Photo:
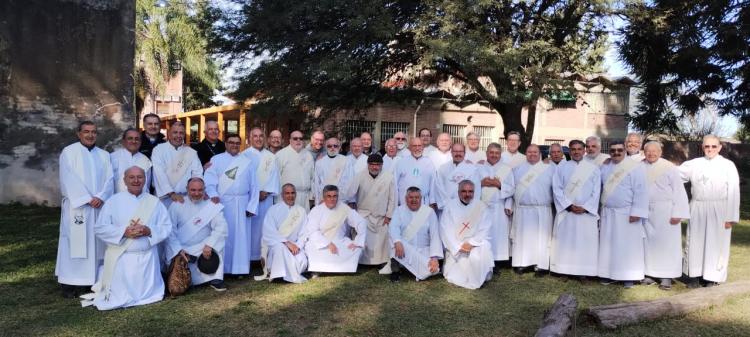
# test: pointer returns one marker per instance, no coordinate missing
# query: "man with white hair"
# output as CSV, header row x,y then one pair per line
x,y
624,205
128,156
512,157
296,167
132,224
284,237
450,174
556,155
464,227
668,205
333,169
173,164
329,224
401,144
211,145
594,151
416,170
415,237
442,153
473,153
531,230
633,144
714,210
199,230
575,236
356,156
316,147
391,157
498,186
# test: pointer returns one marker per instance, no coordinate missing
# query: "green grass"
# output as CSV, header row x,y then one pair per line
x,y
365,304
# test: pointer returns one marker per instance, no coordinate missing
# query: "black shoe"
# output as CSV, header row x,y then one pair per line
x,y
218,285
710,284
583,279
693,283
314,275
68,291
540,273
606,281
395,277
518,270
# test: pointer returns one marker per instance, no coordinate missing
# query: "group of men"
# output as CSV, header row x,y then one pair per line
x,y
412,207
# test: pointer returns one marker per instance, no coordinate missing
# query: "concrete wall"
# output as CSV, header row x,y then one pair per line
x,y
61,62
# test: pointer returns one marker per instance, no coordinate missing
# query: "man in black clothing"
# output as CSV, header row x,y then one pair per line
x,y
151,135
210,145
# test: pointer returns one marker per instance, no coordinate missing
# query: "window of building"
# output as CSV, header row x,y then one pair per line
x,y
485,136
615,103
354,128
388,129
457,132
552,141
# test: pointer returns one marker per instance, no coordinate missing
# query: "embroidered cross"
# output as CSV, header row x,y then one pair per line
x,y
704,179
465,227
197,221
78,220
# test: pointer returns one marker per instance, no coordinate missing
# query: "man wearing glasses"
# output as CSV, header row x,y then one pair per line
x,y
426,136
624,201
714,209
333,169
401,139
296,168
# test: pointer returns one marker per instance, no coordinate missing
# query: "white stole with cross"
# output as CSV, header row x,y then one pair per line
x,y
179,165
264,167
656,169
575,184
418,220
199,220
236,167
620,172
77,236
501,173
336,170
469,224
528,179
335,220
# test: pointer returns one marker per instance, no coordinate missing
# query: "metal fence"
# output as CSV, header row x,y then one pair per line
x,y
388,129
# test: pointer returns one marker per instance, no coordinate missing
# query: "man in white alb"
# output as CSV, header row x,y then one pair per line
x,y
426,136
131,224
199,231
85,184
556,155
668,205
357,157
532,213
624,205
512,157
391,157
231,181
416,170
473,153
498,187
296,167
633,144
128,156
173,164
594,151
442,153
401,144
464,228
333,169
575,237
450,174
415,237
267,177
714,210
329,248
283,239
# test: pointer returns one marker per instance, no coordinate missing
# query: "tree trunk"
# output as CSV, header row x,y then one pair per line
x,y
511,114
560,318
615,315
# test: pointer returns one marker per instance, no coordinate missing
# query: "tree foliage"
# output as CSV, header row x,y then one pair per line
x,y
337,54
172,37
687,55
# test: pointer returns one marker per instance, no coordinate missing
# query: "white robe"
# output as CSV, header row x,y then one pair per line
x,y
214,235
136,279
575,237
271,186
423,246
637,157
439,158
468,270
417,172
449,175
122,160
375,209
389,164
405,152
475,156
499,234
512,159
345,175
621,242
359,164
240,197
280,262
161,159
77,191
715,192
319,257
667,199
533,218
598,160
296,168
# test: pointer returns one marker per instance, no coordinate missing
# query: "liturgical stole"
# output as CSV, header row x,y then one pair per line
x,y
501,173
179,165
229,176
620,172
418,220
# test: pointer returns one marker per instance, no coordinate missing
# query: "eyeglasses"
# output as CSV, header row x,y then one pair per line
x,y
232,143
333,146
400,138
710,146
297,138
616,150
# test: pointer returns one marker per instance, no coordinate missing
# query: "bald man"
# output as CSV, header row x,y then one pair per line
x,y
275,141
211,145
442,153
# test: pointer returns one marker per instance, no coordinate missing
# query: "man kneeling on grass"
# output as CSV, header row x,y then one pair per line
x,y
415,234
199,234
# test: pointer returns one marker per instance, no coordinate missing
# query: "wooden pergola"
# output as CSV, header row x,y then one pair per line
x,y
221,114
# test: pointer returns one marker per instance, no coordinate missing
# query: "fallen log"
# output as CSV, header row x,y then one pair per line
x,y
560,317
615,315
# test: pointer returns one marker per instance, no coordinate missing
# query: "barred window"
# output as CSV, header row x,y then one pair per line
x,y
354,128
485,136
552,141
615,103
388,129
457,132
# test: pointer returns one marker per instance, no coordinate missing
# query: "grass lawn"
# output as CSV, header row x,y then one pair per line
x,y
365,304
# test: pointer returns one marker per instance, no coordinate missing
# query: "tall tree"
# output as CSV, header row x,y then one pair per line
x,y
170,36
337,54
687,55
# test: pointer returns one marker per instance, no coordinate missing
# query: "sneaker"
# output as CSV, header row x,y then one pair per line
x,y
218,285
628,284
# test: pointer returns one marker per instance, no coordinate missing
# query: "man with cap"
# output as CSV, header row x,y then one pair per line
x,y
374,197
198,236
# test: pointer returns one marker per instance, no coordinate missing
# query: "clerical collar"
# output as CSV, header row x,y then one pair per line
x,y
417,158
176,147
465,203
373,176
89,147
330,156
455,163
